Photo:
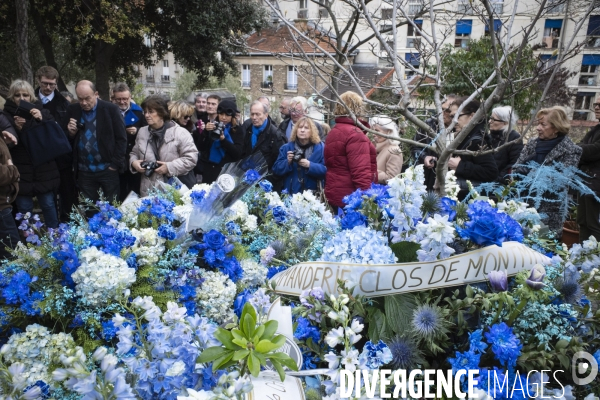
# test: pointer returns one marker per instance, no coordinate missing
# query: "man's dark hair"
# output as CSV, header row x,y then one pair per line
x,y
158,103
214,96
48,72
470,108
121,87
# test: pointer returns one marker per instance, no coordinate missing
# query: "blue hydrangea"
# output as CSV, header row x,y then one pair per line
x,y
448,207
233,228
352,219
305,330
374,356
109,331
361,245
309,360
166,231
464,361
240,300
158,207
272,271
487,226
505,345
354,200
251,176
266,186
597,356
197,196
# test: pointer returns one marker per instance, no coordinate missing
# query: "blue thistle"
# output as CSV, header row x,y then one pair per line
x,y
405,353
426,320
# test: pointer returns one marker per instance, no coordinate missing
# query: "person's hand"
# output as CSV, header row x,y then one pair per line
x,y
137,165
200,125
163,169
290,156
210,126
453,163
112,169
429,162
222,137
37,114
304,163
19,122
9,162
72,127
132,130
9,138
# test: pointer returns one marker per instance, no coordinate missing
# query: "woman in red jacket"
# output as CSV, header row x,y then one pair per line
x,y
350,157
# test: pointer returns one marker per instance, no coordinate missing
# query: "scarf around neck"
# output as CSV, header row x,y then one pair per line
x,y
257,131
217,152
307,149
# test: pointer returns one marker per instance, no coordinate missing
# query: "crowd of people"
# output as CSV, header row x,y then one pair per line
x,y
117,147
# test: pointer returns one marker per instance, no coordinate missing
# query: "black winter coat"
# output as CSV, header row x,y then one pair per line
x,y
419,153
268,143
590,158
34,180
507,156
233,152
58,108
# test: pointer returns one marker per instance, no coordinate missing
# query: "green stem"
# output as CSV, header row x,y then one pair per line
x,y
500,307
280,261
516,312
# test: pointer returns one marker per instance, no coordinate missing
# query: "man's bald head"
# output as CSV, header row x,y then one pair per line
x,y
87,94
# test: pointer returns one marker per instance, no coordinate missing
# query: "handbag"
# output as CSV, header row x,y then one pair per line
x,y
45,142
188,179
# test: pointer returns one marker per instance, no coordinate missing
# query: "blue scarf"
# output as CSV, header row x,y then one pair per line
x,y
257,131
216,150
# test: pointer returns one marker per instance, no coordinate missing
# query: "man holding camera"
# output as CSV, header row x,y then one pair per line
x,y
99,143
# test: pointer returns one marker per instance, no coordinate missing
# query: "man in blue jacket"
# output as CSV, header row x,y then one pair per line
x,y
133,115
99,143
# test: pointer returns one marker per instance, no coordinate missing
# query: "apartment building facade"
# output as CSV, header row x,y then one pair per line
x,y
160,77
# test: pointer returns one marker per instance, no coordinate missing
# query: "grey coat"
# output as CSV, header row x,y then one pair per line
x,y
565,152
178,151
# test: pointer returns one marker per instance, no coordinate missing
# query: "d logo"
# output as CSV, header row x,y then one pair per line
x,y
580,368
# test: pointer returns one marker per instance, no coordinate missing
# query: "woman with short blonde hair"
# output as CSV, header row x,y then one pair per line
x,y
557,117
181,112
351,101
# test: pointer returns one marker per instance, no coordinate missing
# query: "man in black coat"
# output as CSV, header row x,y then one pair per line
x,y
99,143
53,101
133,115
263,136
588,208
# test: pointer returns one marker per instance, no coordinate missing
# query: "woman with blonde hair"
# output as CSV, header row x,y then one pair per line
x,y
350,157
41,181
181,112
300,162
389,156
551,145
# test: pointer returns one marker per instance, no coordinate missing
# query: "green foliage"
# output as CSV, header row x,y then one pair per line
x,y
405,251
249,345
185,85
465,70
83,339
399,311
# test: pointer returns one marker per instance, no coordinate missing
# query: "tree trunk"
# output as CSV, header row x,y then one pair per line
x,y
103,53
22,46
46,41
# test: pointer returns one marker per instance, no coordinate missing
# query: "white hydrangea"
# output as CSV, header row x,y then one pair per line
x,y
215,296
183,212
239,212
303,205
148,246
452,187
186,197
36,348
522,213
254,273
101,277
434,237
274,199
585,256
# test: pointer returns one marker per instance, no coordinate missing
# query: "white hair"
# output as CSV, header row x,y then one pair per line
x,y
299,99
263,105
506,114
386,123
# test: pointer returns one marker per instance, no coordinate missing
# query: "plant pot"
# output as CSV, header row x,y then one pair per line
x,y
570,234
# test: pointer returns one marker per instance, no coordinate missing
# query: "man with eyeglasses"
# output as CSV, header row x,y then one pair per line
x,y
297,108
99,143
55,102
588,208
428,157
133,115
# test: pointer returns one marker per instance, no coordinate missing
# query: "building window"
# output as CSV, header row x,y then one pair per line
x,y
555,6
588,75
413,40
323,13
303,9
267,76
497,6
497,26
386,13
165,78
552,30
150,74
147,41
292,78
415,7
245,75
463,33
464,7
547,61
166,63
584,105
593,32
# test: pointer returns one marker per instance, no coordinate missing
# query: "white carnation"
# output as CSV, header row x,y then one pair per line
x,y
101,277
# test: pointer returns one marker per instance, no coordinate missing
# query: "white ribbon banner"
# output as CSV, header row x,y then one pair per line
x,y
388,279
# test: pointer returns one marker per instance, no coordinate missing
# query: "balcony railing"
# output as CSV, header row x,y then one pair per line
x,y
414,9
303,14
587,80
245,83
149,78
266,85
551,42
290,86
165,78
593,41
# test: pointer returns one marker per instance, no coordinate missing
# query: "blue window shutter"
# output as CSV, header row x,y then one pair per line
x,y
553,23
464,26
591,59
412,58
497,26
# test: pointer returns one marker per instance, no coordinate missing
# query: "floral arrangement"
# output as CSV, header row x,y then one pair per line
x,y
133,303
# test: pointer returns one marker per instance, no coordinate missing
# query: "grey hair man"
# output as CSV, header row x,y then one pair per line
x,y
297,108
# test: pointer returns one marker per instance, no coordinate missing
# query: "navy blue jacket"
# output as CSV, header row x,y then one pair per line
x,y
291,172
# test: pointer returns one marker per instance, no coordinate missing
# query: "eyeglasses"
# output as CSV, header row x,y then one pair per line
x,y
496,120
229,112
48,84
596,105
121,99
187,117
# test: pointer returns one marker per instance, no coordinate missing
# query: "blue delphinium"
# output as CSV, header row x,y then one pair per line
x,y
16,290
476,341
378,193
68,256
279,214
309,360
448,207
374,356
266,186
240,300
107,212
251,176
233,228
215,248
464,361
44,390
505,345
305,330
272,271
352,219
158,207
166,231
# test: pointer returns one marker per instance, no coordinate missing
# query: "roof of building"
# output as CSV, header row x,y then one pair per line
x,y
279,39
369,76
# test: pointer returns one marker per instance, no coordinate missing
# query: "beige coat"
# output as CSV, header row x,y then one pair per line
x,y
178,151
389,161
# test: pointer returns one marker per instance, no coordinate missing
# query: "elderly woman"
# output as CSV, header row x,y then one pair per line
x,y
551,145
350,157
219,149
501,119
181,113
163,149
301,162
389,156
469,167
41,181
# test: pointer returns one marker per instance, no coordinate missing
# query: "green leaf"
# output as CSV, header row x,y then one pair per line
x,y
253,364
225,337
405,251
377,325
399,311
279,369
261,357
561,344
243,343
248,325
265,346
249,310
258,333
219,362
211,354
240,354
237,334
270,329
